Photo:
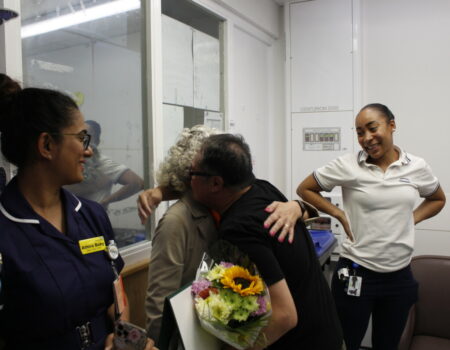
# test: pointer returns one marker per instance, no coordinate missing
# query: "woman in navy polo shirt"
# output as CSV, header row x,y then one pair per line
x,y
380,187
56,277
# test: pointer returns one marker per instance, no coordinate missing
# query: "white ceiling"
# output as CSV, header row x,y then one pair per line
x,y
105,29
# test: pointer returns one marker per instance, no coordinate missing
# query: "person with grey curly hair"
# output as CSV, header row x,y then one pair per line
x,y
184,232
174,171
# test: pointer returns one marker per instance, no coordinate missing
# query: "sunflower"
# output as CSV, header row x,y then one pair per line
x,y
241,281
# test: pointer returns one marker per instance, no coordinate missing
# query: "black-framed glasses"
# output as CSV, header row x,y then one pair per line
x,y
199,173
83,136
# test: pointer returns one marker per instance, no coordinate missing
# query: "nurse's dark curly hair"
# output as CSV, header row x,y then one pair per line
x,y
382,109
25,114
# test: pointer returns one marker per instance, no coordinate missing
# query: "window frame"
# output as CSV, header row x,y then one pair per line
x,y
152,99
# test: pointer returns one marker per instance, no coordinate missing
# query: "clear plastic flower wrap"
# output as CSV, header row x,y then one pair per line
x,y
231,300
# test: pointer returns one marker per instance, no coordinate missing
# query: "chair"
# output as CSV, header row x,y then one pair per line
x,y
428,325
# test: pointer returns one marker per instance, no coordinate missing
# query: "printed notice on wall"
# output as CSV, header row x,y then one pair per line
x,y
322,139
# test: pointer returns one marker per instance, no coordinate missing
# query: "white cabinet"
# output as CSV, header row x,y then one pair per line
x,y
321,84
178,65
321,55
191,66
206,71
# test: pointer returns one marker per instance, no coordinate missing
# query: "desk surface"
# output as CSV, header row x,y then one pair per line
x,y
323,258
325,242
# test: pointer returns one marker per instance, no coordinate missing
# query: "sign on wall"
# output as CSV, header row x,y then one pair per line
x,y
322,139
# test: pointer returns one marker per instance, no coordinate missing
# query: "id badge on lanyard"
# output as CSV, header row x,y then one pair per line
x,y
120,301
354,286
96,244
352,281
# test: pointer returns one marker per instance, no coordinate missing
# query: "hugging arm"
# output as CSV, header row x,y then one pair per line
x,y
284,215
149,200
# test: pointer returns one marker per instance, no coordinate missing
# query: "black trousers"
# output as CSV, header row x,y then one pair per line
x,y
388,297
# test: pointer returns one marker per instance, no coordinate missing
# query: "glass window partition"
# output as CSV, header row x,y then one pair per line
x,y
192,58
91,50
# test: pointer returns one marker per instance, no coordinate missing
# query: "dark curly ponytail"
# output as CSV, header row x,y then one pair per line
x,y
25,114
8,90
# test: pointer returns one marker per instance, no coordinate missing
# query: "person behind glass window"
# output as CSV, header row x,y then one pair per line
x,y
101,173
54,294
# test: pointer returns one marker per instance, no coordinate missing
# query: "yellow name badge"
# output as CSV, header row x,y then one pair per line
x,y
92,245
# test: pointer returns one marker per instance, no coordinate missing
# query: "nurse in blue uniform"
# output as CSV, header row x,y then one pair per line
x,y
56,277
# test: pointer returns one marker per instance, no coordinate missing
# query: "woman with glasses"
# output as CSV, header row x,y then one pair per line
x,y
56,276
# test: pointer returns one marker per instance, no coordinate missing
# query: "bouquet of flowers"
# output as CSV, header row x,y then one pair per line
x,y
232,302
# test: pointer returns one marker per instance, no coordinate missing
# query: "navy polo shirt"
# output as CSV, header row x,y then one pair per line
x,y
48,286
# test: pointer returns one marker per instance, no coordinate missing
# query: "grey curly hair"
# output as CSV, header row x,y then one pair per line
x,y
174,170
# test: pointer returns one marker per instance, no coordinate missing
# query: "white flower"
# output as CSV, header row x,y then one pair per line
x,y
220,309
201,305
216,273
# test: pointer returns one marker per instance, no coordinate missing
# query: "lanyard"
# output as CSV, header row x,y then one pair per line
x,y
355,267
119,293
113,254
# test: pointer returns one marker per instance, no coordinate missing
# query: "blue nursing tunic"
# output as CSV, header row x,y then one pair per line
x,y
48,287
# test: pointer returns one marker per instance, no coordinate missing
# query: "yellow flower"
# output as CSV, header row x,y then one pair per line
x,y
241,281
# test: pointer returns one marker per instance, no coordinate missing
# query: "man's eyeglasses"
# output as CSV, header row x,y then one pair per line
x,y
199,173
83,136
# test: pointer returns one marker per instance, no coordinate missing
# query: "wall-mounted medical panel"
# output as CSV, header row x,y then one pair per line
x,y
321,56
